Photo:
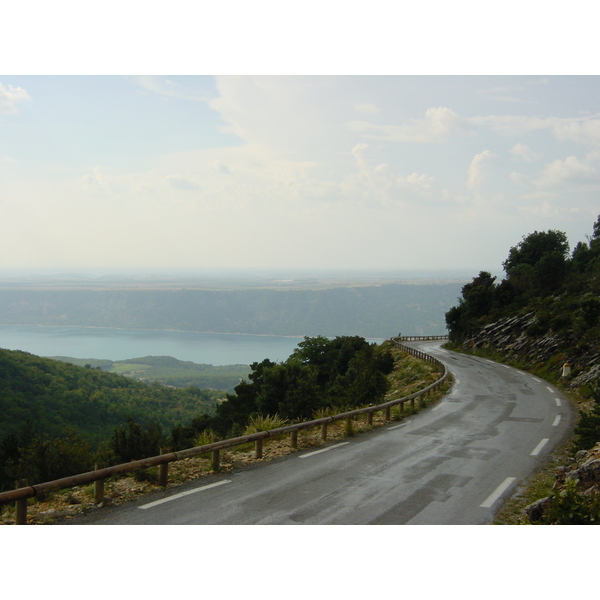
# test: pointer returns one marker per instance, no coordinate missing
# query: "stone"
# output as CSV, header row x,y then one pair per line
x,y
536,510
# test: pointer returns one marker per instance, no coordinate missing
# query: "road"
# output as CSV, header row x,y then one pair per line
x,y
453,463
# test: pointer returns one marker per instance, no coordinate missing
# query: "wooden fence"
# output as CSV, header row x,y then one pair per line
x,y
418,338
98,476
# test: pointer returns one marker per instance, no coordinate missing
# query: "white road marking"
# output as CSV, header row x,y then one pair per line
x,y
436,407
549,388
556,421
557,400
397,426
538,448
180,495
536,379
497,492
323,450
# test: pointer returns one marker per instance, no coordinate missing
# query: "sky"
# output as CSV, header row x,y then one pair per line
x,y
365,172
267,168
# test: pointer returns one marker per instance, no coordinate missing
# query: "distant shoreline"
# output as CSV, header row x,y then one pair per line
x,y
299,337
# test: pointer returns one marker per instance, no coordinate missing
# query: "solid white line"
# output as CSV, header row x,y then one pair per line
x,y
180,495
497,493
556,421
537,449
557,400
323,450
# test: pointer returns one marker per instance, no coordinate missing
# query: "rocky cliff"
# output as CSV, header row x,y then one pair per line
x,y
511,338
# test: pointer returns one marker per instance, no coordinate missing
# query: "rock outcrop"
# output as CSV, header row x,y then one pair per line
x,y
510,338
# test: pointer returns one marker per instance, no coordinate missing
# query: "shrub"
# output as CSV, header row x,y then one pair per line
x,y
264,423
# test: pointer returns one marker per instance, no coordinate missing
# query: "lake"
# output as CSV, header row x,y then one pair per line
x,y
121,344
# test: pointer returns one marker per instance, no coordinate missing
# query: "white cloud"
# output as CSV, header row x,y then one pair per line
x,y
10,96
478,170
181,183
96,180
570,170
524,152
171,89
367,109
439,124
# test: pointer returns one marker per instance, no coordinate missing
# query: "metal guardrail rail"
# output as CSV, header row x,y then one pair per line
x,y
98,476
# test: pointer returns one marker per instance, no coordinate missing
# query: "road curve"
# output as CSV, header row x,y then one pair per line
x,y
453,463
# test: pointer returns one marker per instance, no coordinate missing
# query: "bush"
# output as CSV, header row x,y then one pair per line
x,y
569,507
264,423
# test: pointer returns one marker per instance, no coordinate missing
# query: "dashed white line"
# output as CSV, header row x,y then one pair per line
x,y
557,400
539,447
497,493
536,379
556,421
181,494
549,388
398,426
323,450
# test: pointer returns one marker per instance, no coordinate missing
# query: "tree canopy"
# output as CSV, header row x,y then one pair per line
x,y
562,289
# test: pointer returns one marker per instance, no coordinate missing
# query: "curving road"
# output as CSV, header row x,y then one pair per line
x,y
453,463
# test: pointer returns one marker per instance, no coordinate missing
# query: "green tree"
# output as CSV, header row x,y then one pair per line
x,y
134,442
533,247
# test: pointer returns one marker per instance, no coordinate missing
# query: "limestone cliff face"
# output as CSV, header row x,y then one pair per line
x,y
510,338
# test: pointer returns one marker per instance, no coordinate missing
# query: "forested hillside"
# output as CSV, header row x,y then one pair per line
x,y
53,395
368,311
545,317
553,297
58,418
168,371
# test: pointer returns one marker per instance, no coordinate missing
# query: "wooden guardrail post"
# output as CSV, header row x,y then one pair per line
x,y
98,489
370,418
412,403
163,470
258,448
324,431
294,439
216,460
21,505
388,413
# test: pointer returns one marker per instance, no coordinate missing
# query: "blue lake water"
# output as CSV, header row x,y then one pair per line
x,y
120,344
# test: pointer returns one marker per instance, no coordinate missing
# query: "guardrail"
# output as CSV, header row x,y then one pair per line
x,y
98,476
418,338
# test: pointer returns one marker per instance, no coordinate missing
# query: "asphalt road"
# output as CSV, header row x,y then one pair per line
x,y
453,463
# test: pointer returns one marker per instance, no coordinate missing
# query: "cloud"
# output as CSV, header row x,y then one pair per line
x,y
501,94
221,167
181,183
525,152
479,169
438,125
169,88
570,170
97,180
582,130
10,96
366,109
